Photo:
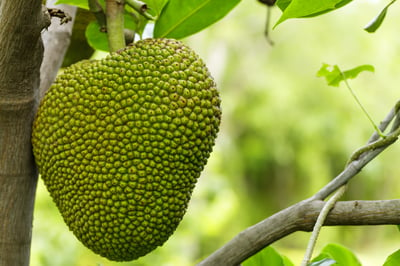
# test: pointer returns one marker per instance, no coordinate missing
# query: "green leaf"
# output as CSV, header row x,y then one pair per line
x,y
374,24
268,256
287,261
283,4
307,8
129,22
324,262
393,259
180,19
155,6
334,75
96,38
78,3
338,253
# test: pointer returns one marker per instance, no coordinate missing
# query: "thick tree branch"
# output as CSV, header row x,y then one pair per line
x,y
21,54
21,51
303,215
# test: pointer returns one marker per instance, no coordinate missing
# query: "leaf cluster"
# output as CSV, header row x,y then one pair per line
x,y
312,8
168,18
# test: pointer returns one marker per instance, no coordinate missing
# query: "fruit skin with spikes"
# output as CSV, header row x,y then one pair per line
x,y
120,143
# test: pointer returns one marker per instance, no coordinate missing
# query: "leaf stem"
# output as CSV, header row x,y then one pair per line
x,y
141,8
267,26
360,105
115,24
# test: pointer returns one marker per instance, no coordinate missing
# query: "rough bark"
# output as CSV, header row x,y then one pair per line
x,y
21,53
21,50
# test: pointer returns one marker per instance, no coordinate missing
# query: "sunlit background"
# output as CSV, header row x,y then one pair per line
x,y
284,134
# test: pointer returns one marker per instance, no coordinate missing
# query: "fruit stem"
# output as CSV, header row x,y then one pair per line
x,y
115,24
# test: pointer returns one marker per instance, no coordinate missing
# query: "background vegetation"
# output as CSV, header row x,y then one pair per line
x,y
284,134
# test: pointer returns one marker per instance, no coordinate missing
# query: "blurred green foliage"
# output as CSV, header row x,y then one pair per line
x,y
284,135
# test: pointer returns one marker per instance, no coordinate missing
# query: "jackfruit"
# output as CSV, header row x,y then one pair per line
x,y
120,143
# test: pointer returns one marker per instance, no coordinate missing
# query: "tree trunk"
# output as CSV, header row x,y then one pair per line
x,y
21,51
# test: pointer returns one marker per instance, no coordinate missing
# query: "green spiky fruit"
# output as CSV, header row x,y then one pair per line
x,y
120,143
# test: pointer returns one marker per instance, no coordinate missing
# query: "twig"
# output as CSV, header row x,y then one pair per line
x,y
58,13
320,222
363,155
385,122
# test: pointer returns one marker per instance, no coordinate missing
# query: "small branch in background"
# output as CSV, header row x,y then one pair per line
x,y
364,155
320,222
58,13
386,122
115,24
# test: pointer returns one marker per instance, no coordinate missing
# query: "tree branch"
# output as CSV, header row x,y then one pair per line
x,y
303,215
58,13
21,52
365,154
56,42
